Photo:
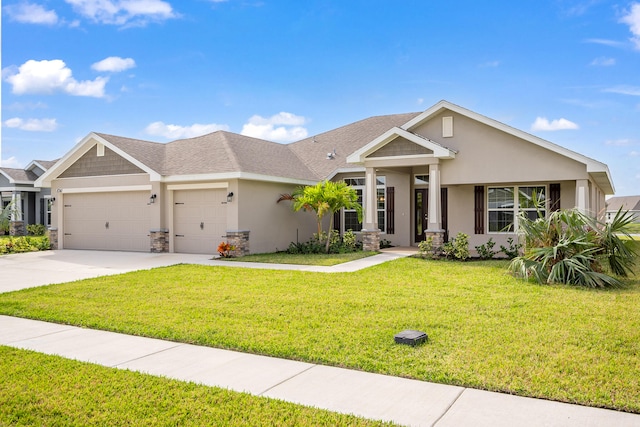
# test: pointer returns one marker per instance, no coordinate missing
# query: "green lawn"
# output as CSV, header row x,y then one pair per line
x,y
486,329
303,259
42,390
634,228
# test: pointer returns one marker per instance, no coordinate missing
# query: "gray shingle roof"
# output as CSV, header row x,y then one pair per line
x,y
344,140
20,175
627,203
221,151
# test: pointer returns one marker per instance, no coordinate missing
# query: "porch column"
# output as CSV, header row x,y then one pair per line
x,y
582,195
370,231
435,209
370,197
16,225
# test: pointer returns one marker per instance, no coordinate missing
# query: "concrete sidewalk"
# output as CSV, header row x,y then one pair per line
x,y
373,396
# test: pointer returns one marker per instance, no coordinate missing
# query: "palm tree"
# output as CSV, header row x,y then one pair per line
x,y
325,197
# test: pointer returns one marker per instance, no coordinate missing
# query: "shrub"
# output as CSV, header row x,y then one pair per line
x,y
486,251
461,246
317,244
36,229
427,250
225,248
14,245
384,243
513,250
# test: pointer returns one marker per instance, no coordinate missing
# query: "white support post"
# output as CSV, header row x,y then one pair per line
x,y
370,198
435,216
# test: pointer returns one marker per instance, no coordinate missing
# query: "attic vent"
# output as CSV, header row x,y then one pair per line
x,y
100,150
447,127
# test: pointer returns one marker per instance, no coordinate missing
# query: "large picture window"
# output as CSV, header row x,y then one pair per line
x,y
505,203
351,216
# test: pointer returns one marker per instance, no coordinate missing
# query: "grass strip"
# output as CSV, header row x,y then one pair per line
x,y
303,259
39,389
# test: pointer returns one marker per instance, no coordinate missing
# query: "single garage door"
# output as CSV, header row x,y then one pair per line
x,y
117,221
200,220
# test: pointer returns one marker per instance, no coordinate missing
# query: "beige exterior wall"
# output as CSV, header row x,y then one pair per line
x,y
273,226
488,155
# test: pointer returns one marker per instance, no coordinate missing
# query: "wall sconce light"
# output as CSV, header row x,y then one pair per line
x,y
152,198
53,200
230,197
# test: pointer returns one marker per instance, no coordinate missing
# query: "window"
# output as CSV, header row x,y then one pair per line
x,y
504,204
421,180
47,216
351,216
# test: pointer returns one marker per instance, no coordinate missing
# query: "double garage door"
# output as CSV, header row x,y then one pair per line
x,y
121,220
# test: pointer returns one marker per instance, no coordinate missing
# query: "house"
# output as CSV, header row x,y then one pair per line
x,y
18,186
432,173
627,203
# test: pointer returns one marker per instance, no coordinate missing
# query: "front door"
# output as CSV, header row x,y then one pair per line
x,y
421,216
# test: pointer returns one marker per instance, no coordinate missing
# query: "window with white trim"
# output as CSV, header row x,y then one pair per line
x,y
505,203
351,216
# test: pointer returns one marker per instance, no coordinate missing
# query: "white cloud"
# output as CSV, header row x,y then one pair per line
x,y
606,42
11,162
632,19
28,13
282,127
619,142
543,124
179,132
124,12
603,62
32,125
634,154
624,90
48,77
490,64
114,64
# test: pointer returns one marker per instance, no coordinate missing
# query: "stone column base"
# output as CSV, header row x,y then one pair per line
x,y
52,233
438,238
371,240
159,240
240,241
16,228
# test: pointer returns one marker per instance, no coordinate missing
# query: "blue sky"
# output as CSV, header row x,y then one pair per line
x,y
565,70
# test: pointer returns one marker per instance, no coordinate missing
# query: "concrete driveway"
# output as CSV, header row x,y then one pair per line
x,y
26,270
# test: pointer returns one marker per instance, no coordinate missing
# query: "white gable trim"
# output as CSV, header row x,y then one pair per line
x,y
600,171
439,151
79,150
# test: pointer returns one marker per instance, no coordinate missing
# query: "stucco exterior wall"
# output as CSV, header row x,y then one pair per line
x,y
488,155
273,226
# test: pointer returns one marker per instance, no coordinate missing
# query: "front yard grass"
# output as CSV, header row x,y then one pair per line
x,y
303,259
43,390
486,329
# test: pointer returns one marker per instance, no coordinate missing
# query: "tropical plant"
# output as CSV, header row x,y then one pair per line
x,y
36,229
325,197
225,249
5,217
572,247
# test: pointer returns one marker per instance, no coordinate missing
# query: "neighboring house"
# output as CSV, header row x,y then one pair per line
x,y
433,173
17,185
627,203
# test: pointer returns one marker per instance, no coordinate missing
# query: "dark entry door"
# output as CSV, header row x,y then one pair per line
x,y
421,210
421,215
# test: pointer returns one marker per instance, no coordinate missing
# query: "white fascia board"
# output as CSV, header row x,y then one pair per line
x,y
122,188
355,169
11,181
234,175
35,163
20,190
78,151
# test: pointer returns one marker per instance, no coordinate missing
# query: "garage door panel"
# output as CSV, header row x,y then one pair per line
x,y
107,221
200,218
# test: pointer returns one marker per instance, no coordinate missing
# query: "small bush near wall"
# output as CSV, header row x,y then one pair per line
x,y
317,244
14,245
36,229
